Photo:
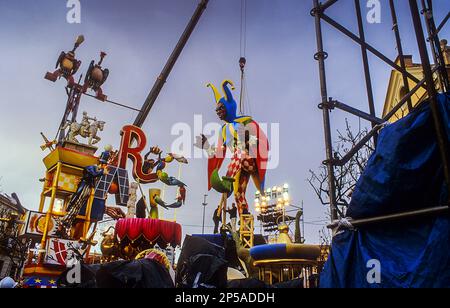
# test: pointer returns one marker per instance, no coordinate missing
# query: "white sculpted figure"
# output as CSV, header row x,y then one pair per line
x,y
132,198
85,129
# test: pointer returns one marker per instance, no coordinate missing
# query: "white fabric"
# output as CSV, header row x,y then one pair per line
x,y
7,283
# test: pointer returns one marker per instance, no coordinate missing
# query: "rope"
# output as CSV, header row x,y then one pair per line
x,y
344,224
115,103
243,42
241,101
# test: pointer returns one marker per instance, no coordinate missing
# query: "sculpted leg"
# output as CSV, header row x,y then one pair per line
x,y
241,201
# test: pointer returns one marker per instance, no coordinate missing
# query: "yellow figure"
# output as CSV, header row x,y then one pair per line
x,y
155,197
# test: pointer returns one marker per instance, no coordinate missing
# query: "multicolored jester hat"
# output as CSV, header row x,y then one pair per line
x,y
249,147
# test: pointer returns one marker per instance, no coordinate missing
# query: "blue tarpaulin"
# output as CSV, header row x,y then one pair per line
x,y
403,174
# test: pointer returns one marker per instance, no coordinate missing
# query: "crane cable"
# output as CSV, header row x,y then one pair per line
x,y
243,49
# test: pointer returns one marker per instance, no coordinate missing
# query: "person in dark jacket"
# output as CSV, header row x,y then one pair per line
x,y
217,217
233,216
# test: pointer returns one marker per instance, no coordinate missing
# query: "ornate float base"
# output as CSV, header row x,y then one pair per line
x,y
41,276
82,148
70,157
135,235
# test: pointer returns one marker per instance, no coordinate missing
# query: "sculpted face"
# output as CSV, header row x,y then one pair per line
x,y
221,111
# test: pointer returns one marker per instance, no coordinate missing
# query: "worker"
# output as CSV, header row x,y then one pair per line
x,y
233,216
217,217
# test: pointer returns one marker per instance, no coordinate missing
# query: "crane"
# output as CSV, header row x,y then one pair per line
x,y
161,80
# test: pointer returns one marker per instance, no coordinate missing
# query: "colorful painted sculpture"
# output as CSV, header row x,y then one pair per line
x,y
67,65
155,200
132,198
96,77
160,164
106,155
109,246
247,143
91,175
85,129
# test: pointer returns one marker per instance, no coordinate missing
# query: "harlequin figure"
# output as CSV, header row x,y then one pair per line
x,y
248,145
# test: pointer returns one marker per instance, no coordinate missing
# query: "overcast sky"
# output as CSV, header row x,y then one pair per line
x,y
138,37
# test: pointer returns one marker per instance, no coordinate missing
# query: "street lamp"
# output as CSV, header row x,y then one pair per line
x,y
276,198
257,204
264,204
274,192
284,200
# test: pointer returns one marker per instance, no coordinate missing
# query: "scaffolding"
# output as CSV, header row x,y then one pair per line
x,y
64,169
428,83
247,224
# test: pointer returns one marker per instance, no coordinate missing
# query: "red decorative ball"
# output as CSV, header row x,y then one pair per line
x,y
113,189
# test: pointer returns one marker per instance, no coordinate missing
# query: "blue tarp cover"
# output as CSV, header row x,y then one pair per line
x,y
404,173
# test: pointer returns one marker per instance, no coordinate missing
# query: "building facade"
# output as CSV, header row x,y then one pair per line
x,y
9,206
397,90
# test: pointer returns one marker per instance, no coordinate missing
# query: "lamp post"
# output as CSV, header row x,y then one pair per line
x,y
282,198
204,208
276,198
285,200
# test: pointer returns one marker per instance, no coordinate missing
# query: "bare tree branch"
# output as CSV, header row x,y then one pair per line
x,y
346,176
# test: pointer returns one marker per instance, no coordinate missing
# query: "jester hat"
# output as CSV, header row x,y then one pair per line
x,y
227,100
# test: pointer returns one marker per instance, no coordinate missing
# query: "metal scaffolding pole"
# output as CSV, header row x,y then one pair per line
x,y
355,111
369,135
433,39
422,213
369,47
439,128
401,56
426,83
320,56
365,59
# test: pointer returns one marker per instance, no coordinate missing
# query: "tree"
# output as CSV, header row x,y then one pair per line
x,y
346,176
